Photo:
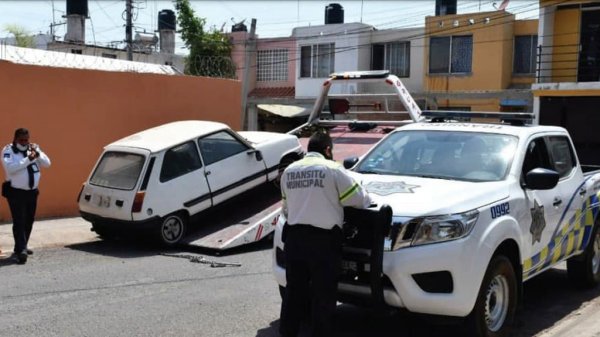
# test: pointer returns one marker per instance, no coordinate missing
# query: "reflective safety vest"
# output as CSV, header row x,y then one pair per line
x,y
315,190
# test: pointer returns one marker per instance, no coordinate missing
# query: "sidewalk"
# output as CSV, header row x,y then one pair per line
x,y
49,233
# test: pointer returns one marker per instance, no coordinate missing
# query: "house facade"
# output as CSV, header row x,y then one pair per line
x,y
567,91
480,61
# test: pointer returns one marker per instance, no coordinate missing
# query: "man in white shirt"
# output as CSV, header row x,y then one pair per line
x,y
315,191
22,161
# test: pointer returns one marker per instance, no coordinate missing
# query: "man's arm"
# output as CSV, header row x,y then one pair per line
x,y
42,158
11,164
351,193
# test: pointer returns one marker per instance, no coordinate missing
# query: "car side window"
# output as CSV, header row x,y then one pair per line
x,y
180,160
219,146
536,156
562,155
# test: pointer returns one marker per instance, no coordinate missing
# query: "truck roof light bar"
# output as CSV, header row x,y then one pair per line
x,y
360,74
514,118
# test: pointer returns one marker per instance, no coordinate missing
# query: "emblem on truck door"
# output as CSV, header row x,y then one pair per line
x,y
387,188
538,222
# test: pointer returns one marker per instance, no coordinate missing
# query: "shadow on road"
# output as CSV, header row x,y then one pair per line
x,y
548,298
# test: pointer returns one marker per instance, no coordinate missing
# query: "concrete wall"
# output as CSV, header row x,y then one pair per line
x,y
565,53
73,113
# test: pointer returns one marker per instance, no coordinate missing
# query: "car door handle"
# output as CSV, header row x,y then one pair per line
x,y
557,202
582,192
207,173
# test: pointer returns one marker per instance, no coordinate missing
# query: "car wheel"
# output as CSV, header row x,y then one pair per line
x,y
584,270
103,232
172,229
496,303
285,162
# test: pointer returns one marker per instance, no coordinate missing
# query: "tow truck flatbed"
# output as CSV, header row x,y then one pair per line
x,y
247,218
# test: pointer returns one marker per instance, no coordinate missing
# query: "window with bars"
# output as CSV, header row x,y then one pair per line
x,y
392,56
450,54
272,65
317,61
525,54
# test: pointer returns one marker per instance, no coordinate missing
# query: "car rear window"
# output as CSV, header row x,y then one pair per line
x,y
118,170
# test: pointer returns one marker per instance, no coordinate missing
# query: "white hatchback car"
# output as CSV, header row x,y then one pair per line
x,y
158,179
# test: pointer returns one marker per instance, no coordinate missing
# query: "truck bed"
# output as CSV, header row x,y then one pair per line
x,y
348,143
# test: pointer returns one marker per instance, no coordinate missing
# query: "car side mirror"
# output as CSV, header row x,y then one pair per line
x,y
541,179
256,153
350,162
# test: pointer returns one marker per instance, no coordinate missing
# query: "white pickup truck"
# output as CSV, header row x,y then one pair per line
x,y
478,208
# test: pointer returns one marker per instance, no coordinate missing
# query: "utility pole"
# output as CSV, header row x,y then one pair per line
x,y
128,27
250,48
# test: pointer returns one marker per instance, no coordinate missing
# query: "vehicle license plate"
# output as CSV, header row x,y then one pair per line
x,y
349,265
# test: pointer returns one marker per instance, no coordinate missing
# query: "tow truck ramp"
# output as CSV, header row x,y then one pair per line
x,y
247,218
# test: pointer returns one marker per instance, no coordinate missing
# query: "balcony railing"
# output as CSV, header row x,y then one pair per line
x,y
568,63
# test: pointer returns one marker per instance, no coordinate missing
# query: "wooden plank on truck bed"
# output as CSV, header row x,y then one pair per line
x,y
245,219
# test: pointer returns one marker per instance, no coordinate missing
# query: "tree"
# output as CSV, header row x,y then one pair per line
x,y
210,52
22,39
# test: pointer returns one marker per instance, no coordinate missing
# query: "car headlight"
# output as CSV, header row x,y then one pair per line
x,y
431,229
444,228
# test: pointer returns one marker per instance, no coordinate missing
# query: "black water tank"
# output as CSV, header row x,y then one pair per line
x,y
166,19
445,7
334,13
77,7
239,27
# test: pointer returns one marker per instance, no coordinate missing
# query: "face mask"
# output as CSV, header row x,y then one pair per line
x,y
22,147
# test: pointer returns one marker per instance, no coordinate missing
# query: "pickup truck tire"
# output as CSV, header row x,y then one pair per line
x,y
496,303
172,229
584,270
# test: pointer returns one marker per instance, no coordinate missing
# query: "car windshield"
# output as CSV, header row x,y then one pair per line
x,y
455,155
118,170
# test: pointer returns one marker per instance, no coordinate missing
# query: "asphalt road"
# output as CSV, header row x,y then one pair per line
x,y
124,289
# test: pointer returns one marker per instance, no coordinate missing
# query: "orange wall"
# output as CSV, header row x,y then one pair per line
x,y
73,113
565,45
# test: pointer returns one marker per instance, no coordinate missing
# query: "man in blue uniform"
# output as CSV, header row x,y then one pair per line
x,y
314,192
22,161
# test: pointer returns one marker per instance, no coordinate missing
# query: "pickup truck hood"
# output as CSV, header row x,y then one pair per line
x,y
416,196
257,137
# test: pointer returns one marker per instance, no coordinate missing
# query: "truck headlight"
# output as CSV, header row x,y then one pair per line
x,y
444,228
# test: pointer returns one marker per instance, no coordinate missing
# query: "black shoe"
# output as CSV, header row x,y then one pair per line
x,y
22,257
29,251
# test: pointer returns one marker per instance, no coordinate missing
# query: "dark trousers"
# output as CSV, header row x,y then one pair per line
x,y
312,259
22,208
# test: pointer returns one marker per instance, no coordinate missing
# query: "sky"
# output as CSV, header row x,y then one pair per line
x,y
274,18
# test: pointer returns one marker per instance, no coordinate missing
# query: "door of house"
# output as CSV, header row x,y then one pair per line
x,y
589,56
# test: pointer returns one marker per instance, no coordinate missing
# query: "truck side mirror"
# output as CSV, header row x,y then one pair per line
x,y
350,162
541,179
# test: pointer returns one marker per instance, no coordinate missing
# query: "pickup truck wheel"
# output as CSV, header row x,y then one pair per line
x,y
172,229
584,270
496,303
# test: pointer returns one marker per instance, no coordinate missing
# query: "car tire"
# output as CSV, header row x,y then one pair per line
x,y
172,229
584,270
103,232
496,302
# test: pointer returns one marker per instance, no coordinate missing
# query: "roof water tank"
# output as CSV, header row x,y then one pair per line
x,y
239,27
445,7
166,19
79,7
334,13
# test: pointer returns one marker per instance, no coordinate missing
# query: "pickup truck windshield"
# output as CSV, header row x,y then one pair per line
x,y
118,170
455,155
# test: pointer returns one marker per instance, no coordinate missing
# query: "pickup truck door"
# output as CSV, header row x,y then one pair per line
x,y
542,211
232,166
570,196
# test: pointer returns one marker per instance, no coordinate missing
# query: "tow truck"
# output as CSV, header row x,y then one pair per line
x,y
480,203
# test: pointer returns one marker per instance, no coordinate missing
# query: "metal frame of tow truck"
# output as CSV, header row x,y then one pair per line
x,y
416,114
